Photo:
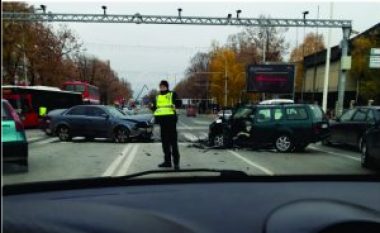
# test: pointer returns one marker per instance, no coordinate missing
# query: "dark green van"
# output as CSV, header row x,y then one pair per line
x,y
13,138
286,127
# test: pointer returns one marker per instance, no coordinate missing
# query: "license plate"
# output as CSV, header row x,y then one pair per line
x,y
324,126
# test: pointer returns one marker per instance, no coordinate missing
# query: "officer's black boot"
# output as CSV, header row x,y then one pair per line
x,y
165,164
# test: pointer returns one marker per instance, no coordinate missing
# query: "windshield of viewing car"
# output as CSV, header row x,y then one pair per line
x,y
116,88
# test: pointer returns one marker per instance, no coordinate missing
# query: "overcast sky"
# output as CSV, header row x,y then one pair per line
x,y
145,54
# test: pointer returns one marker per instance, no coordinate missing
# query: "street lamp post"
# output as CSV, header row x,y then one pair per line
x,y
303,53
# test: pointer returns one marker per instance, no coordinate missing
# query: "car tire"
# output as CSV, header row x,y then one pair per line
x,y
364,158
63,133
121,135
301,147
218,141
90,139
326,142
284,143
360,143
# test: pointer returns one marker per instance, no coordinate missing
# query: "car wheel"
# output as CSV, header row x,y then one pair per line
x,y
283,143
365,160
218,140
90,139
326,142
300,148
121,135
360,143
63,133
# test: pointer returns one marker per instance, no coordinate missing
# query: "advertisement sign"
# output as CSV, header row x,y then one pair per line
x,y
274,78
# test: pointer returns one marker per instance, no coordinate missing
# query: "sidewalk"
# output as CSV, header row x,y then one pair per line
x,y
35,135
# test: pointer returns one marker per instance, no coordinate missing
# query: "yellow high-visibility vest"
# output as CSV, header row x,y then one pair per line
x,y
164,104
42,111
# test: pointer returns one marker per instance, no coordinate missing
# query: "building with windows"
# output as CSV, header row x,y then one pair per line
x,y
315,70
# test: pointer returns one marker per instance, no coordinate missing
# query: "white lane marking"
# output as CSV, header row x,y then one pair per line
x,y
335,153
192,128
124,169
191,137
198,122
33,138
261,168
185,125
204,135
115,163
46,141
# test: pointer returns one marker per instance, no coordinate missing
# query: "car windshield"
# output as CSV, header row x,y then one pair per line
x,y
243,113
112,89
116,112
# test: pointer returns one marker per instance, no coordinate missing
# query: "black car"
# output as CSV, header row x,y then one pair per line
x,y
286,127
349,128
99,121
371,148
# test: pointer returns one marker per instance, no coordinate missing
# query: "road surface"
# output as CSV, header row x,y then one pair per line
x,y
50,159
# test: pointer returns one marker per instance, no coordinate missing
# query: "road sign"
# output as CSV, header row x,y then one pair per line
x,y
275,78
374,59
375,51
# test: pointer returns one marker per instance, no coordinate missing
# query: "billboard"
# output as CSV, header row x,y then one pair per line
x,y
274,78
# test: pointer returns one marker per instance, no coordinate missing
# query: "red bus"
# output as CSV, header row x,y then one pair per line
x,y
90,93
28,99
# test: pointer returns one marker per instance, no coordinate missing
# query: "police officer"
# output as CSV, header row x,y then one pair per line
x,y
165,115
42,111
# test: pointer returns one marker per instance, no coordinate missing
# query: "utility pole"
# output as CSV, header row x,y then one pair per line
x,y
343,73
264,54
327,66
315,60
225,82
303,54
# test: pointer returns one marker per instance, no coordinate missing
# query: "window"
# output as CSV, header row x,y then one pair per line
x,y
243,113
93,91
94,111
263,115
347,115
77,111
371,116
317,111
278,114
79,88
70,87
4,112
294,113
360,115
115,112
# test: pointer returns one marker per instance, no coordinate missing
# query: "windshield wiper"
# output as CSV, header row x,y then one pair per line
x,y
223,173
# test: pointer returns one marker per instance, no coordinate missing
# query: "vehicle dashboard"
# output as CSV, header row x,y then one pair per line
x,y
307,206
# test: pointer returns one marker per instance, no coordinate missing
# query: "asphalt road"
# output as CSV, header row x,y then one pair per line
x,y
50,159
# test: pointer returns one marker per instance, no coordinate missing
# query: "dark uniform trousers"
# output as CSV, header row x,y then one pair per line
x,y
169,138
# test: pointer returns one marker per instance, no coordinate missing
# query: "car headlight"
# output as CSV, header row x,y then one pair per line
x,y
218,121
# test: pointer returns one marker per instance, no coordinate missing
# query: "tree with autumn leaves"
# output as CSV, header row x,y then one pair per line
x,y
367,79
50,57
227,63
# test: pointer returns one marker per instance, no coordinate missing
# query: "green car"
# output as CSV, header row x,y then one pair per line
x,y
286,127
13,138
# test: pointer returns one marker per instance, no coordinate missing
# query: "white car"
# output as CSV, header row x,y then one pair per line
x,y
277,101
227,114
